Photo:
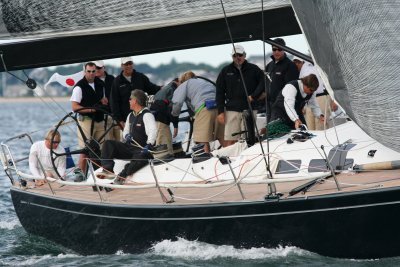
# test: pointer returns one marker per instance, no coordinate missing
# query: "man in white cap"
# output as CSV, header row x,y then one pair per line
x,y
231,96
127,81
324,100
108,81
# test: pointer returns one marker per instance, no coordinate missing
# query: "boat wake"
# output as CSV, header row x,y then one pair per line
x,y
196,250
38,260
10,225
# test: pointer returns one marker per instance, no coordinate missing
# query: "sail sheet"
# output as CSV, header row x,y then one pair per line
x,y
356,45
52,32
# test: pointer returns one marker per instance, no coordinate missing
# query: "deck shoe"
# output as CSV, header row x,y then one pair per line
x,y
79,176
105,175
108,190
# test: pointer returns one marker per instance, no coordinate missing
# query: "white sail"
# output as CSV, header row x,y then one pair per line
x,y
356,45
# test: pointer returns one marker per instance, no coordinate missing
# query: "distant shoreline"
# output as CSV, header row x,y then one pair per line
x,y
33,99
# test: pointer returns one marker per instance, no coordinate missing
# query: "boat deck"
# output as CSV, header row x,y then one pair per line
x,y
349,182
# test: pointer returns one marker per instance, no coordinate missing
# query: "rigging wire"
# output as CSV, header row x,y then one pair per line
x,y
270,186
31,84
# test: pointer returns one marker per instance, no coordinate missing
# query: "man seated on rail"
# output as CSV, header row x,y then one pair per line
x,y
40,158
140,134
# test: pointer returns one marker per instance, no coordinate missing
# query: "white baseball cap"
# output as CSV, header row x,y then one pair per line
x,y
126,59
298,59
99,63
238,50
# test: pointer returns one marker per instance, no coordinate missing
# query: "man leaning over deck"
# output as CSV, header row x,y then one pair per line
x,y
89,92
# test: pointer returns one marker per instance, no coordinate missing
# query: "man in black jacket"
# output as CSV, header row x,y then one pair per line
x,y
124,84
280,71
231,96
115,133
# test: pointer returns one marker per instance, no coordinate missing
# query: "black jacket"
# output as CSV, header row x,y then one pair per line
x,y
108,84
121,92
230,90
280,73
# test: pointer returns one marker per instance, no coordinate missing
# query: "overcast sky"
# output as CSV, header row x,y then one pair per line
x,y
214,55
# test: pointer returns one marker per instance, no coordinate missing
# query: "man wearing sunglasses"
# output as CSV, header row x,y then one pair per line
x,y
280,70
89,92
124,84
39,157
231,95
115,133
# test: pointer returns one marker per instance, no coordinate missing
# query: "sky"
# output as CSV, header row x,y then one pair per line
x,y
214,55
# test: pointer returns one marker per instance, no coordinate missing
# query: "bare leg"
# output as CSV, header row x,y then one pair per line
x,y
230,142
82,162
206,146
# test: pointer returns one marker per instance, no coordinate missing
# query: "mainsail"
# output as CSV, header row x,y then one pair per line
x,y
356,45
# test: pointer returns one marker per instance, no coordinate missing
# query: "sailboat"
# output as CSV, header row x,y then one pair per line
x,y
334,192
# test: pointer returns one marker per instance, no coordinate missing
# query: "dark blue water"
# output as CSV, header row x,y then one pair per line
x,y
17,247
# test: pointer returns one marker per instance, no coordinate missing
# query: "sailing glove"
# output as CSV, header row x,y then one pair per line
x,y
146,149
128,139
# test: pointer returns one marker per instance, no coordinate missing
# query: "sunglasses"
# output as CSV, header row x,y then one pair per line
x,y
237,55
276,49
91,71
54,142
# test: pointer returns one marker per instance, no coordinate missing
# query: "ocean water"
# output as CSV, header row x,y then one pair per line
x,y
18,248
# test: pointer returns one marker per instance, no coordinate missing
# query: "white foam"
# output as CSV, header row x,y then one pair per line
x,y
120,253
32,260
195,250
9,225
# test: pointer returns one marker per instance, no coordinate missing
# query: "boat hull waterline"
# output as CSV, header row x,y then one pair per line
x,y
346,225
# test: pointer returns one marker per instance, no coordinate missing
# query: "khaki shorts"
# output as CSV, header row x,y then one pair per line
x,y
98,130
164,136
115,133
234,123
314,123
205,127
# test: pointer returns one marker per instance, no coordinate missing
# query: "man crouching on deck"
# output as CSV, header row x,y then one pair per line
x,y
140,134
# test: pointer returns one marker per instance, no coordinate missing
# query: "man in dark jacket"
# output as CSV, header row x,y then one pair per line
x,y
115,133
161,109
124,84
280,71
231,96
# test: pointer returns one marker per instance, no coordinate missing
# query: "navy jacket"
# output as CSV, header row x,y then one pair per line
x,y
121,92
230,91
